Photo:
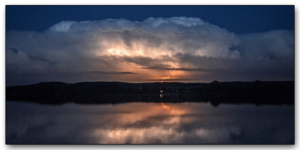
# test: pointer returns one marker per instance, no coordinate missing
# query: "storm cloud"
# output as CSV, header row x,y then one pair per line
x,y
152,49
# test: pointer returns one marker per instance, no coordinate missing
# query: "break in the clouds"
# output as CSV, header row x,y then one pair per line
x,y
124,50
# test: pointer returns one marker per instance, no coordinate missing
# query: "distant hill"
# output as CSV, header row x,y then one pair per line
x,y
258,92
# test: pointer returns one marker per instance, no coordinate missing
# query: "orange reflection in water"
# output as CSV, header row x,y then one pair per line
x,y
144,121
165,106
137,136
175,109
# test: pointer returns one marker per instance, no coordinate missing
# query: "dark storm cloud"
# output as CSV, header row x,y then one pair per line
x,y
140,60
269,56
113,72
184,69
120,46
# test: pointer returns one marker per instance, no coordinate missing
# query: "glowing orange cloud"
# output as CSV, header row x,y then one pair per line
x,y
165,78
140,56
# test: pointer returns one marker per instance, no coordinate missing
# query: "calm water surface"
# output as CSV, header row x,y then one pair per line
x,y
148,123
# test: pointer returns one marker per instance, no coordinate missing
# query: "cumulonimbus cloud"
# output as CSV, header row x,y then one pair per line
x,y
180,44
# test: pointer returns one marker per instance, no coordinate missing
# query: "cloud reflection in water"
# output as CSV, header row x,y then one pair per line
x,y
148,123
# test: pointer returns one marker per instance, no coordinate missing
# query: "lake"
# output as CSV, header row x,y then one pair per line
x,y
149,123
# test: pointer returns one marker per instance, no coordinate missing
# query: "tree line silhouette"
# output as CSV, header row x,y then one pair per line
x,y
258,92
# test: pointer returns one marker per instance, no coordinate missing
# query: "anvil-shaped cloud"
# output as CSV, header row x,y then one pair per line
x,y
178,47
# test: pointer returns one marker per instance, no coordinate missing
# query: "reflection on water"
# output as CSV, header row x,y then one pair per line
x,y
148,123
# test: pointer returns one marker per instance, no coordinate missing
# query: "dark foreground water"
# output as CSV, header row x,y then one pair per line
x,y
148,123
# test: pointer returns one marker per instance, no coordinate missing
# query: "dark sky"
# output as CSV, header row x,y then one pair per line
x,y
241,19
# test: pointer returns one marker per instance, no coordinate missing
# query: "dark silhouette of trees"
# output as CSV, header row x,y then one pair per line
x,y
258,92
